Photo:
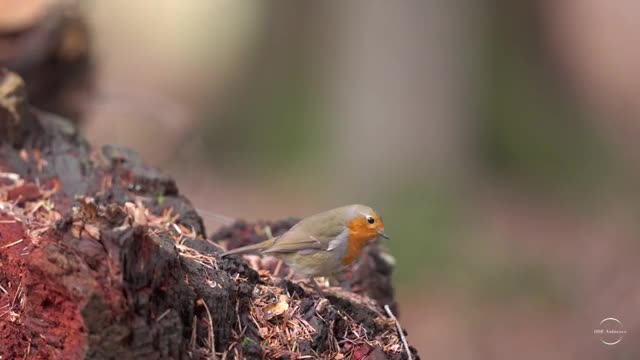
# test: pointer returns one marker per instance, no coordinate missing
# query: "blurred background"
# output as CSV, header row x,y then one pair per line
x,y
498,140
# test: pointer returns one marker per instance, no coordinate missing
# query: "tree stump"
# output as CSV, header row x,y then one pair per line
x,y
102,258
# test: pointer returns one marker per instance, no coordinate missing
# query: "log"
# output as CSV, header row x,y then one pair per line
x,y
101,257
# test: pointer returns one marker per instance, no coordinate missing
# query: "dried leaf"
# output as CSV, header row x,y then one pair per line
x,y
278,308
75,229
136,213
264,273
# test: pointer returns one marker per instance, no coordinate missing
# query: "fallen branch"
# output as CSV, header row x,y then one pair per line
x,y
400,331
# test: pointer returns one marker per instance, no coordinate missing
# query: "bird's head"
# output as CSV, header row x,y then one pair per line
x,y
364,224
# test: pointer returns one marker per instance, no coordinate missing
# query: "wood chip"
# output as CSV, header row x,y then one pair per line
x,y
92,230
321,306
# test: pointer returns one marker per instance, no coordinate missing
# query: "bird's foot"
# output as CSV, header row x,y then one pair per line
x,y
346,285
316,287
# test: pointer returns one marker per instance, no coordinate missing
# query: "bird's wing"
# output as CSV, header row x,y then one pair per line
x,y
314,233
296,239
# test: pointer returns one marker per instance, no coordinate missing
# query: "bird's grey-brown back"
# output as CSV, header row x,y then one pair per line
x,y
312,233
329,231
328,224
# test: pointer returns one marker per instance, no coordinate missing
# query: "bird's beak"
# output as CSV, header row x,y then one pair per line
x,y
381,233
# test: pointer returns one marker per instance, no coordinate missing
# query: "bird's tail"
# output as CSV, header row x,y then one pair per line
x,y
255,248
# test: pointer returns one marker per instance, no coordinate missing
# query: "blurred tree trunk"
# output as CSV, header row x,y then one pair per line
x,y
397,66
49,44
592,42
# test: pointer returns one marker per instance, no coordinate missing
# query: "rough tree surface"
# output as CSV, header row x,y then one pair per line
x,y
102,258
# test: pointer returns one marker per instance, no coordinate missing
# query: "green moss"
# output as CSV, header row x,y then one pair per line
x,y
248,341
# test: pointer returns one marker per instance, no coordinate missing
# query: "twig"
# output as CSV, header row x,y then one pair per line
x,y
10,176
225,220
212,337
4,290
163,315
26,353
216,245
404,339
13,243
194,323
17,295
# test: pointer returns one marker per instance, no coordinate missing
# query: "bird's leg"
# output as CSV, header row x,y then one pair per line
x,y
290,275
346,284
276,272
315,286
267,231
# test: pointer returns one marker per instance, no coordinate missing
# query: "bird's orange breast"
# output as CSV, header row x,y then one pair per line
x,y
359,235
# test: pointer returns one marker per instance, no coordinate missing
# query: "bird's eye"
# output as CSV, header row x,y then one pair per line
x,y
370,220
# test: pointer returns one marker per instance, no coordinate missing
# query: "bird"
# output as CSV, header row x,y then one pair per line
x,y
322,245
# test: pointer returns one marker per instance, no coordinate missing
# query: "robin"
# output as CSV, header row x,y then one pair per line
x,y
323,244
